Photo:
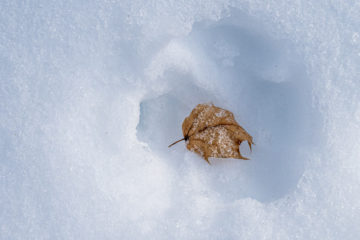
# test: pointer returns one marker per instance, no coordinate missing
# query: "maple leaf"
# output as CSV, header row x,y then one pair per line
x,y
213,132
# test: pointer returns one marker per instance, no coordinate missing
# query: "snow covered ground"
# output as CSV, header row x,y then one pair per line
x,y
93,92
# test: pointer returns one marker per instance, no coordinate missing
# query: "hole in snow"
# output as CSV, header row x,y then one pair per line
x,y
262,81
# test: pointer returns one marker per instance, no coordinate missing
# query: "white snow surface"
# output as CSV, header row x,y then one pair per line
x,y
93,92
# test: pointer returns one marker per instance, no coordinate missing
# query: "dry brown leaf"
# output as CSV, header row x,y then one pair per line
x,y
213,132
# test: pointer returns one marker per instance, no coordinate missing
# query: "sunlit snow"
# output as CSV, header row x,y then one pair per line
x,y
93,92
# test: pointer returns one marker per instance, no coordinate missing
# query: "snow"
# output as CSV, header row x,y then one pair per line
x,y
93,92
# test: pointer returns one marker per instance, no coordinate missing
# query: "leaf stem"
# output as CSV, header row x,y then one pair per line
x,y
176,142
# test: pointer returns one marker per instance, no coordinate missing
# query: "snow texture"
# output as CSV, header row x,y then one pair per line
x,y
93,92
